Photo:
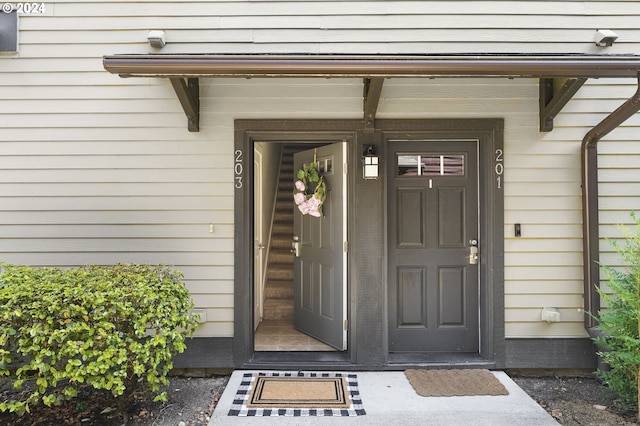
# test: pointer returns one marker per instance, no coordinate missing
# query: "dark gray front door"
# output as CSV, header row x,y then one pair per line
x,y
432,226
320,261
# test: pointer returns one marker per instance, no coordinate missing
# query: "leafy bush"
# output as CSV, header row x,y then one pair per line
x,y
620,322
114,327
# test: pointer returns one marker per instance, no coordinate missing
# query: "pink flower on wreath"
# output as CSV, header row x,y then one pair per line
x,y
314,206
304,208
300,186
299,198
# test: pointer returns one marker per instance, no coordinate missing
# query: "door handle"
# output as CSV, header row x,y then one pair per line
x,y
295,246
473,252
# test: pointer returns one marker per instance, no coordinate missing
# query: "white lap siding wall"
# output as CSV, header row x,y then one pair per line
x,y
99,169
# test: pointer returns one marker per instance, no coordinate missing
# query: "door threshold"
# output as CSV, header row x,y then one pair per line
x,y
441,359
297,360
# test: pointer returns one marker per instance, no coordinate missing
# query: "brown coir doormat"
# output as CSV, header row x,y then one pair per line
x,y
299,392
455,382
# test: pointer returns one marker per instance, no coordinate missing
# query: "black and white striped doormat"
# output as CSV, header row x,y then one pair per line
x,y
239,406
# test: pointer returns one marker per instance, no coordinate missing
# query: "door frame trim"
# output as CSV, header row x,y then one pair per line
x,y
366,304
278,131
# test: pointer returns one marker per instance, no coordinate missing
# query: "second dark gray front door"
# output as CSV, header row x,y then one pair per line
x,y
320,259
432,228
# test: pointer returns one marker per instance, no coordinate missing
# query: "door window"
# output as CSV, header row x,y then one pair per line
x,y
431,165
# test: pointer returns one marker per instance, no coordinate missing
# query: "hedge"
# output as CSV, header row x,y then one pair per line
x,y
109,327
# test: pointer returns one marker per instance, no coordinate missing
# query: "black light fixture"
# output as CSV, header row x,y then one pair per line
x,y
371,160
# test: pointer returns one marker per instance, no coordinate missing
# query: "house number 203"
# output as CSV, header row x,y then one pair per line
x,y
499,167
238,168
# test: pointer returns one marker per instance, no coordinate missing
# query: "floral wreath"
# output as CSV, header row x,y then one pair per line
x,y
310,190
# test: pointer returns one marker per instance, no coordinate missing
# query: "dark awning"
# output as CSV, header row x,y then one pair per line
x,y
305,65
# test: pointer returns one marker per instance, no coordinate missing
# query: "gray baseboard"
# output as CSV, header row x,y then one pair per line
x,y
551,353
206,352
217,352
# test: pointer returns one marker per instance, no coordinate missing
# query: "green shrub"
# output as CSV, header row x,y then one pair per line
x,y
113,327
619,322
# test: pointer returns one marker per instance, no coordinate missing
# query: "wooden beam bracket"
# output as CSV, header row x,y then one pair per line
x,y
554,95
188,91
371,97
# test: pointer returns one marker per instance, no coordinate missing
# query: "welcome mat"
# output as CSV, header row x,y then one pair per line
x,y
455,382
297,394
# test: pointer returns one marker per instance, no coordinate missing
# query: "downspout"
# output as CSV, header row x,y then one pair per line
x,y
590,221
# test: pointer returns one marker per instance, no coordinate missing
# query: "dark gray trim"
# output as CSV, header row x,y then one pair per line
x,y
206,352
276,131
551,353
217,352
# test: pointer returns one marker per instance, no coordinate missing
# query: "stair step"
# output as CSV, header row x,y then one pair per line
x,y
279,289
280,272
281,240
281,256
284,228
278,309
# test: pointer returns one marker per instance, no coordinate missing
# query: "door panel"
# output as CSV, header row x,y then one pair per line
x,y
320,267
433,214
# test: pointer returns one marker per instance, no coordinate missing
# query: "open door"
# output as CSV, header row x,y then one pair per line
x,y
320,272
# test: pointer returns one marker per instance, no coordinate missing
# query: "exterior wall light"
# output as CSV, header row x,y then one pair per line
x,y
605,38
371,160
157,39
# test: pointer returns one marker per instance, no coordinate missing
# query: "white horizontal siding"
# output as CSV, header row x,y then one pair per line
x,y
100,169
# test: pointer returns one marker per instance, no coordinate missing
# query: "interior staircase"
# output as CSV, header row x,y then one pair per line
x,y
278,303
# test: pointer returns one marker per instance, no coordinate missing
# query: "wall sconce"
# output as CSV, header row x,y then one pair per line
x,y
605,38
370,170
157,39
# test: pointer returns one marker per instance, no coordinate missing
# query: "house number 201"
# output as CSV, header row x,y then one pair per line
x,y
238,168
499,167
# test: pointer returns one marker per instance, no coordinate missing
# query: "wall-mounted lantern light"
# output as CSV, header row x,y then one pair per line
x,y
370,170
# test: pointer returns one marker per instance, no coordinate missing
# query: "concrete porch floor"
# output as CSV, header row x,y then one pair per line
x,y
389,399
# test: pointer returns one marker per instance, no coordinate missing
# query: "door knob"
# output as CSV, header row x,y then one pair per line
x,y
295,246
473,252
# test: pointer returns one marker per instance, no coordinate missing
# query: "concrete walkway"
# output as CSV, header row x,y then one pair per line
x,y
389,399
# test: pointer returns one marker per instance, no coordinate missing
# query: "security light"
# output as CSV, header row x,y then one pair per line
x,y
605,38
157,39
